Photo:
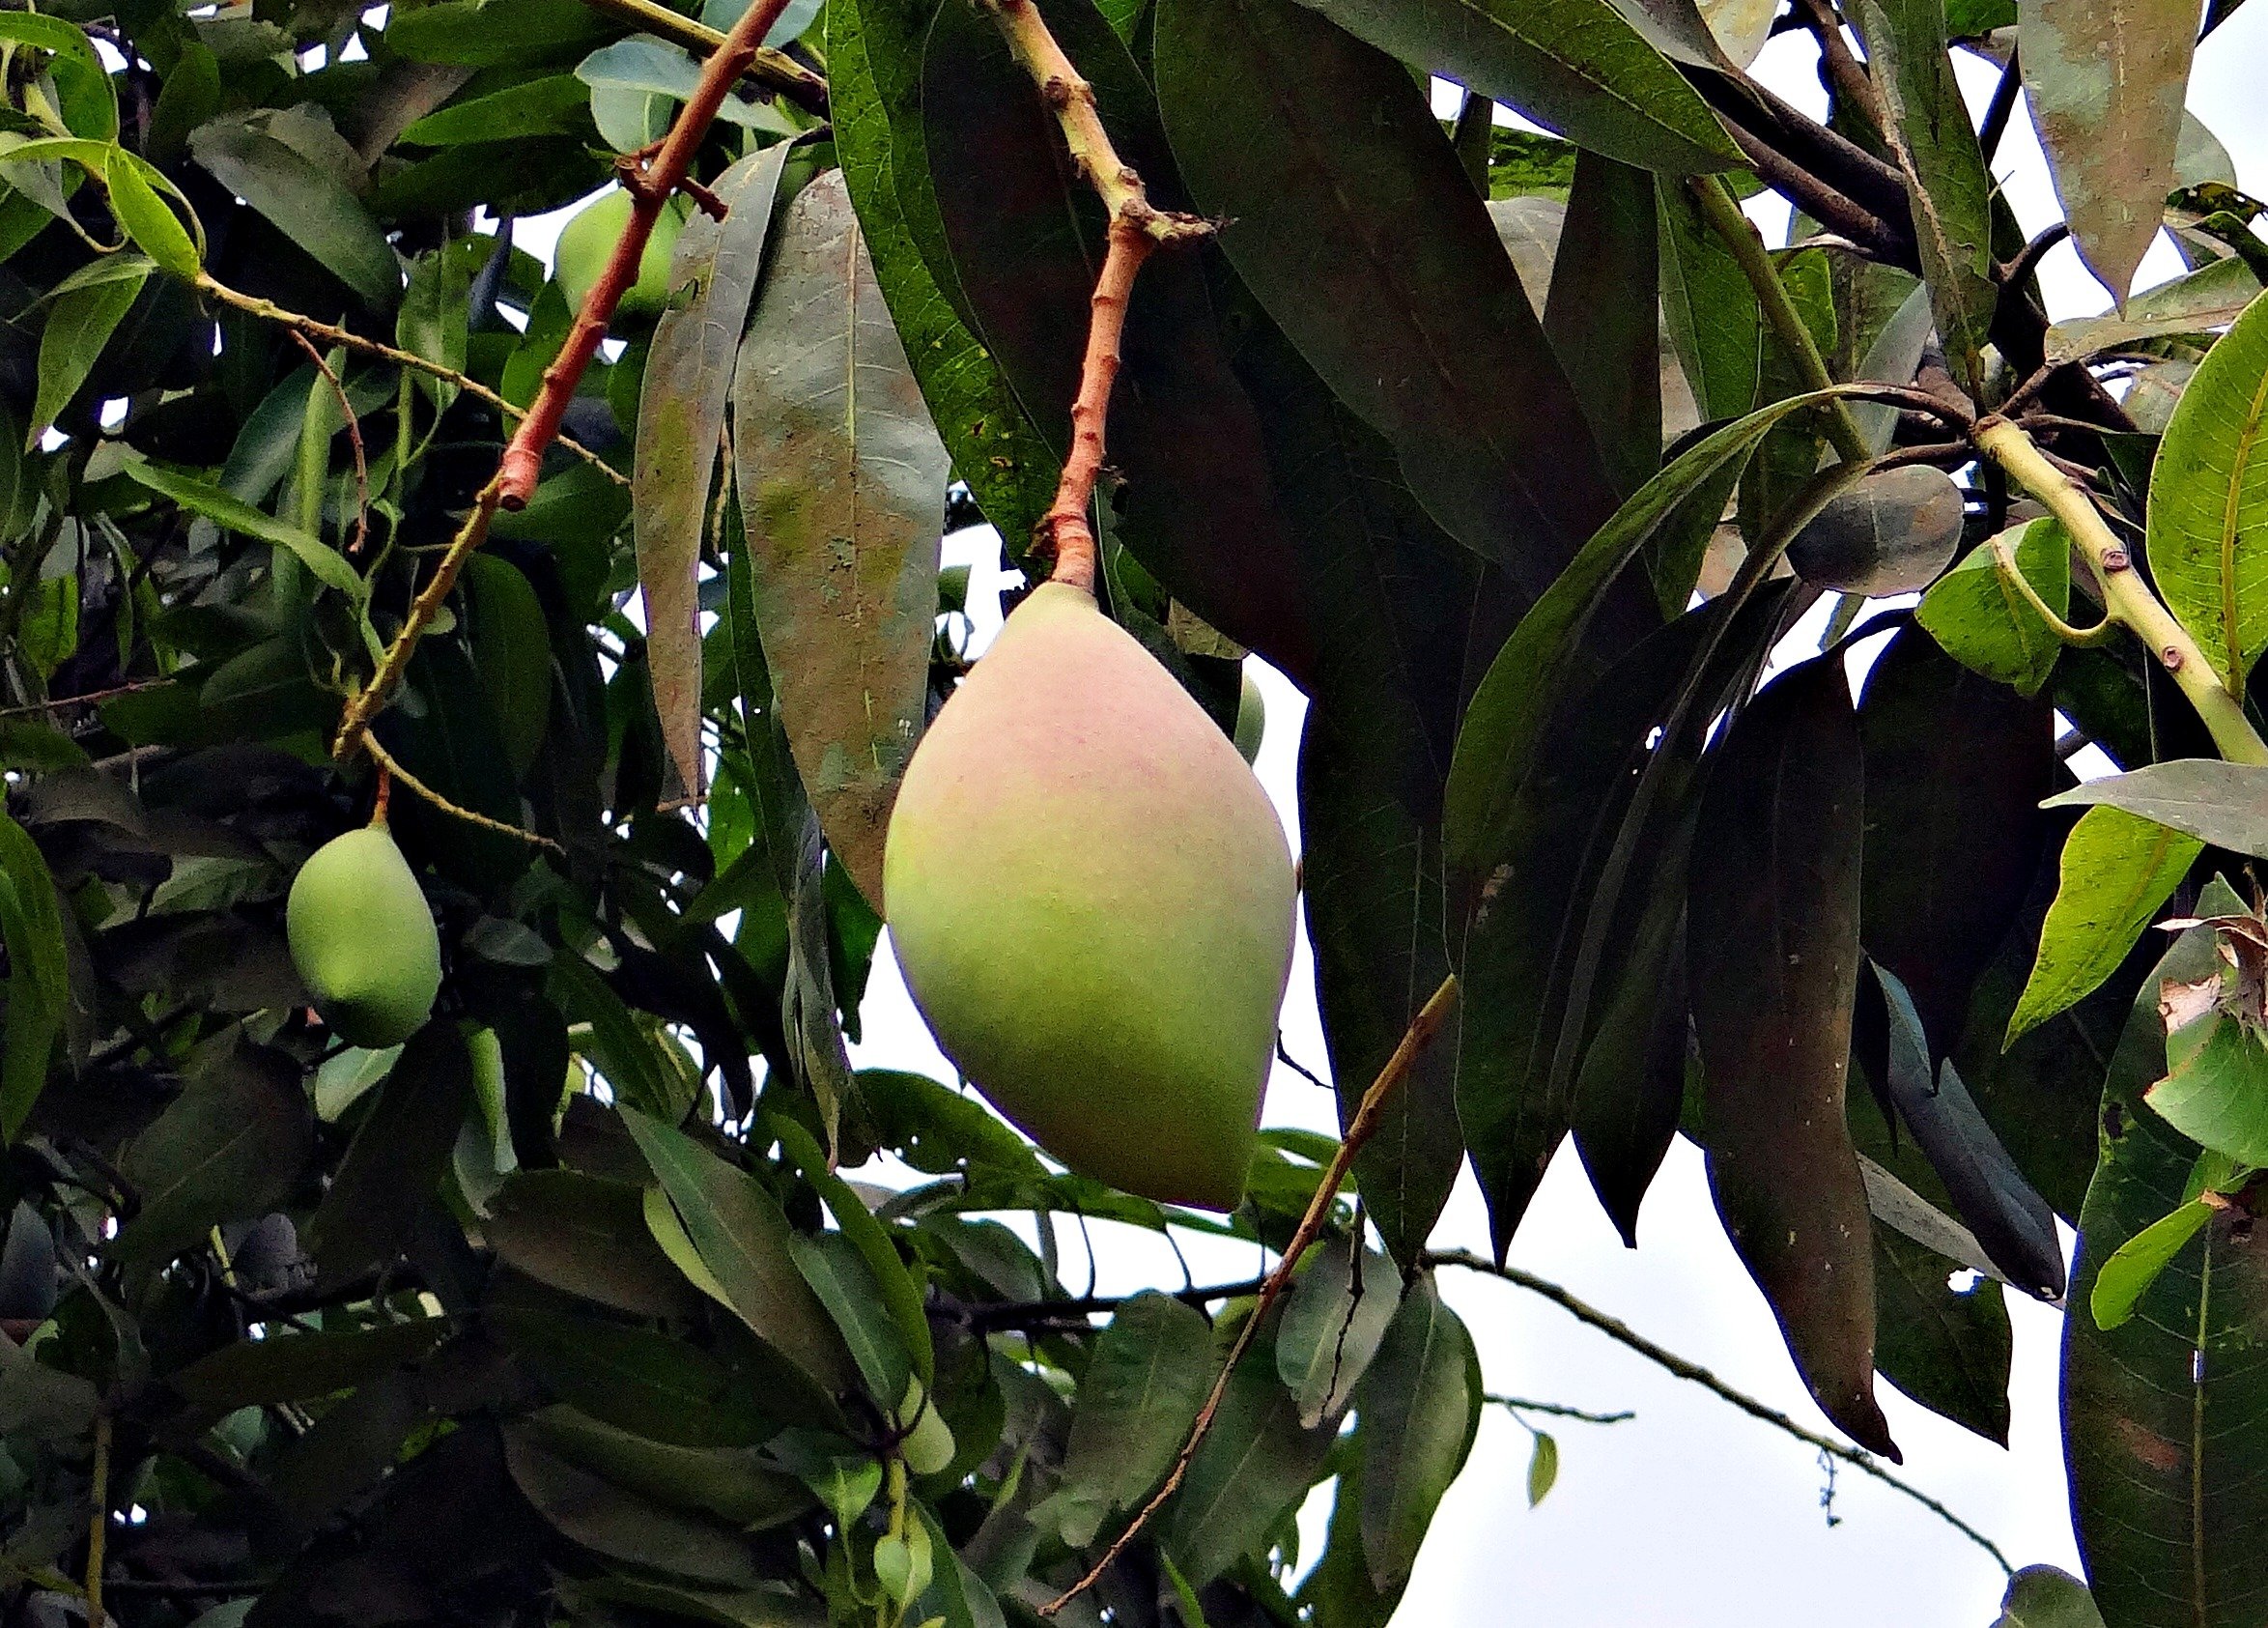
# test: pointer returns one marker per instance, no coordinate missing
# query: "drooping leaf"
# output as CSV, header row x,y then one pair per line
x,y
2106,79
199,496
1254,95
1577,65
901,1296
1956,766
1937,152
1151,1366
742,1237
39,978
1423,1398
873,76
2043,1597
1949,1349
2164,1413
843,495
300,1367
1986,624
1603,317
393,1166
305,202
2210,500
2118,868
148,218
1255,1466
2008,1219
1772,952
228,1148
1708,308
2217,802
2136,1264
79,324
681,411
625,1524
2216,1087
584,1235
637,1379
1333,1322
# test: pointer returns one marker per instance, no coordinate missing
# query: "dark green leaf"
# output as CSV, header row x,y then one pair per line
x,y
1574,65
1947,1349
296,1367
1603,314
1772,945
901,1298
1422,1397
637,1379
1254,1468
229,1147
1333,1321
623,1525
586,1236
394,1164
681,394
80,322
1148,1375
842,493
39,983
304,202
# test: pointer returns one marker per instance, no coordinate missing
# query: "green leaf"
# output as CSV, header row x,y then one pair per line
x,y
584,1235
1543,1466
838,1274
551,105
1604,313
623,1525
1422,1397
480,33
1332,1324
874,78
736,1485
1362,237
306,203
1936,148
232,514
79,324
744,1239
1987,625
2165,1414
2118,868
1151,1366
2127,1276
1255,1466
397,1157
1949,1350
637,1379
1577,65
230,1147
300,1367
39,986
1772,940
2211,296
901,1298
51,33
2209,502
842,490
2106,80
148,218
2216,1087
1709,309
681,412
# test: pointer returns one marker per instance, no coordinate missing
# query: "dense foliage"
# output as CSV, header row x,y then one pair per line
x,y
1500,445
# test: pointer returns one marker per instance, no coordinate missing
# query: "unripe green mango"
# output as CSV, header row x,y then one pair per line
x,y
587,242
1252,721
1092,901
363,940
929,1447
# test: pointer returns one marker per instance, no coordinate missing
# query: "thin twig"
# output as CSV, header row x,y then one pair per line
x,y
1557,1410
267,310
1136,229
1853,85
1853,221
1614,1328
1414,1039
353,437
391,769
650,186
99,1528
90,698
2002,108
2019,271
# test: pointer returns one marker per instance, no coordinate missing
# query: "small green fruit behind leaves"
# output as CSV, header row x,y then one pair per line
x,y
1891,534
1252,720
929,1447
587,243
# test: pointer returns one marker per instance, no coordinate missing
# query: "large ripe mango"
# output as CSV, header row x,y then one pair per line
x,y
363,940
1092,901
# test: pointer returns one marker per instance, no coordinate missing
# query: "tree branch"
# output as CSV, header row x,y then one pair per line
x,y
1136,229
1615,1329
650,187
1414,1039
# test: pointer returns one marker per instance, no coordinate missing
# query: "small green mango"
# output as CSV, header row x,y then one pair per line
x,y
1092,901
363,940
929,1447
587,242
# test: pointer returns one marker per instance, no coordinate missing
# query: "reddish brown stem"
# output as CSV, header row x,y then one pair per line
x,y
353,437
649,190
1414,1039
1063,529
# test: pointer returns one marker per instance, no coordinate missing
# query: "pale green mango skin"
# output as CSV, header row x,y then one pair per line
x,y
587,242
363,940
1092,901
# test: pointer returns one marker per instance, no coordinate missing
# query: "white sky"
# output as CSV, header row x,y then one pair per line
x,y
1691,1513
